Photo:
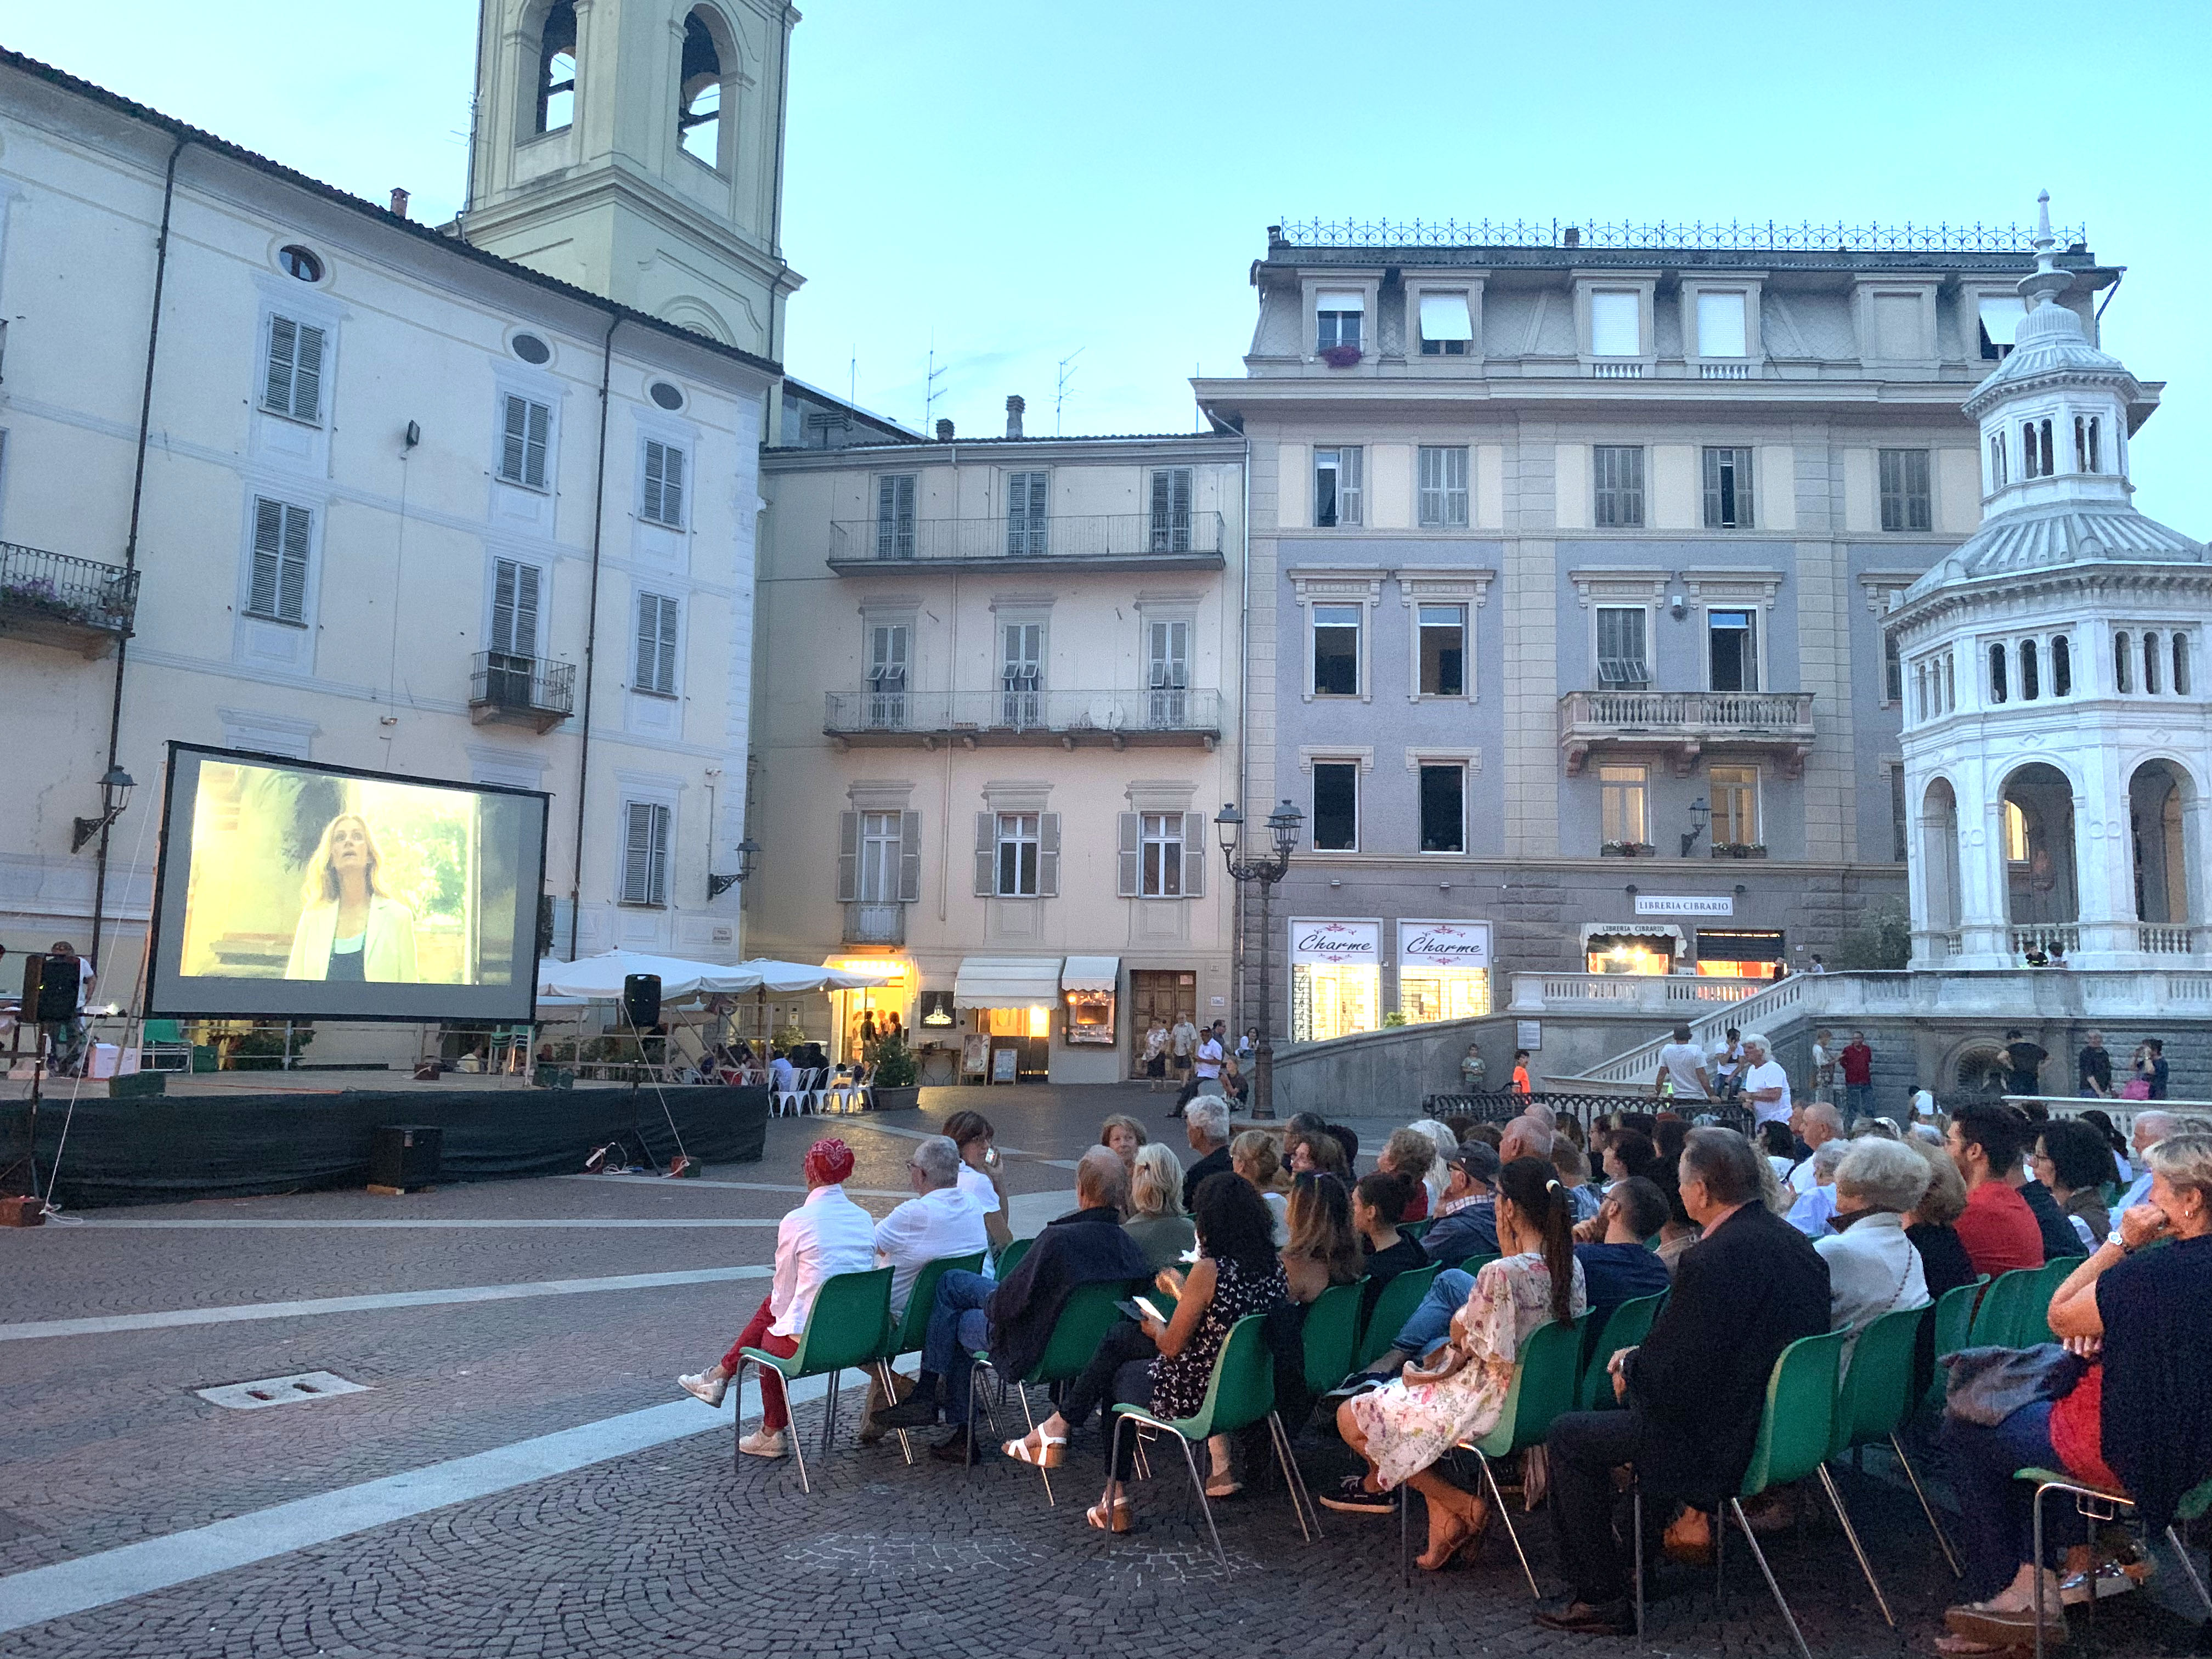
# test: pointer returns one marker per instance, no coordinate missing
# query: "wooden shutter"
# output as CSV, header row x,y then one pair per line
x,y
648,639
307,375
283,353
655,456
665,664
1047,855
637,853
537,433
268,541
515,440
1130,881
672,486
292,574
1193,856
909,857
502,605
524,638
1713,488
987,855
848,856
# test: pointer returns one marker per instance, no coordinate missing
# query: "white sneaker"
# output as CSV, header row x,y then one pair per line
x,y
704,1385
764,1443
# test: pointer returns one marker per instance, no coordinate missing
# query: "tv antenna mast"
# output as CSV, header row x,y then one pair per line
x,y
1059,395
930,374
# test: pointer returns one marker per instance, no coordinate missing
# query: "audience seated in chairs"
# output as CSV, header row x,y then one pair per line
x,y
1155,1217
2073,1161
2135,1422
1873,1268
939,1221
1317,1151
1999,1231
979,1179
1122,1135
1377,1200
827,1234
1323,1250
1467,1219
1696,1388
1206,1122
1013,1322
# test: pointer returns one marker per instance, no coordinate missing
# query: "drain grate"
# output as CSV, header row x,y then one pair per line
x,y
280,1391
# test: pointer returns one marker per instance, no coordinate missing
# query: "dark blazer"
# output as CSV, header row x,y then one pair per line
x,y
2059,1237
1744,1292
1083,1248
1215,1163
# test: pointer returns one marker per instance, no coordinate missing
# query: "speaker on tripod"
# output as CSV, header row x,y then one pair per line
x,y
641,1001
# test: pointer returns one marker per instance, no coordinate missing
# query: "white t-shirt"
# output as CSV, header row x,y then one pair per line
x,y
1683,1061
1756,1077
1209,1058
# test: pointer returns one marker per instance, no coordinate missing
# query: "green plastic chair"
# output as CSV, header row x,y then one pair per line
x,y
1084,1318
1010,1257
1472,1264
1332,1328
2193,1504
906,1334
1415,1230
1875,1398
2000,1319
1954,1321
1630,1323
1240,1393
851,1314
2036,1323
1393,1308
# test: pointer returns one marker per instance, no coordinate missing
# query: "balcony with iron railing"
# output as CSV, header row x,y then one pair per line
x,y
875,922
1027,717
78,605
516,691
1191,541
1684,724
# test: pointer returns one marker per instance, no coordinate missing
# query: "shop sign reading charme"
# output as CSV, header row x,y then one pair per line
x,y
1443,944
1336,942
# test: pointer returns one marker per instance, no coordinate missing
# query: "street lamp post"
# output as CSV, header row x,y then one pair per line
x,y
1266,868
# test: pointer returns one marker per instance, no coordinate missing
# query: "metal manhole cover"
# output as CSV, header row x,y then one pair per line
x,y
279,1391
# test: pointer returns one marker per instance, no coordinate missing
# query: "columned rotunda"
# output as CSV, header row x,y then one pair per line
x,y
2056,748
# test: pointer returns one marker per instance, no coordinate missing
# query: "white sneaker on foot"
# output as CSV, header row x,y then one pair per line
x,y
704,1385
764,1443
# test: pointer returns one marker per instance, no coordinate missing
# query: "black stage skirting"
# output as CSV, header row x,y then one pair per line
x,y
167,1150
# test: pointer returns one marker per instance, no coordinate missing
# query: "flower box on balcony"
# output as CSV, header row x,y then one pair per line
x,y
1627,849
1738,850
1339,356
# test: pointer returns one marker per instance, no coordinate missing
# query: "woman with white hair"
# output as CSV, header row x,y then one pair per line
x,y
1873,1268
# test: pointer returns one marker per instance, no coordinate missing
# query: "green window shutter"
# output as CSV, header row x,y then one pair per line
x,y
1193,856
1047,855
909,857
848,856
1127,883
987,838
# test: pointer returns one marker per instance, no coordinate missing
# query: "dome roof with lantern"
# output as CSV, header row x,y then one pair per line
x,y
2070,501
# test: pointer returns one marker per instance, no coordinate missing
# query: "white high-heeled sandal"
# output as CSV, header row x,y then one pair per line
x,y
1050,1452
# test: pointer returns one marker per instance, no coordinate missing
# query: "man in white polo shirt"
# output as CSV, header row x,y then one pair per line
x,y
1210,1056
1765,1084
1683,1068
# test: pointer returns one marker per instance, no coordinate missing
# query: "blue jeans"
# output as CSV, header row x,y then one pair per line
x,y
1993,1506
1430,1322
956,1328
1858,1100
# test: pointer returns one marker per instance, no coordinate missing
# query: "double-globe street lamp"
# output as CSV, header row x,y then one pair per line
x,y
1264,868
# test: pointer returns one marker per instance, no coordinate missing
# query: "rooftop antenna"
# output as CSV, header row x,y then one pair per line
x,y
1060,397
930,374
852,377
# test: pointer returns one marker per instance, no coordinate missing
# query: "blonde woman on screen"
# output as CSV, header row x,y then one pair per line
x,y
351,929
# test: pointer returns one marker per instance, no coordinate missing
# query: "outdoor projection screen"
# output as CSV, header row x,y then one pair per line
x,y
290,890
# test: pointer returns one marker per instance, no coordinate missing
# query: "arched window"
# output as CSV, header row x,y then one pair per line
x,y
2085,458
556,67
2061,667
2015,822
699,109
1950,683
1996,460
1920,691
2030,678
2123,663
1996,674
2181,665
2150,664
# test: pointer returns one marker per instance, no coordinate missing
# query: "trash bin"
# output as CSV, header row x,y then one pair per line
x,y
403,1157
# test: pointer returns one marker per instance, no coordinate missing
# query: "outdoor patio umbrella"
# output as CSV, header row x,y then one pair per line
x,y
600,978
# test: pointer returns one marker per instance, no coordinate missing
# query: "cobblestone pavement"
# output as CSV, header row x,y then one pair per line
x,y
666,1549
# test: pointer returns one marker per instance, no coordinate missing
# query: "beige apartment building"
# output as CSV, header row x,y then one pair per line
x,y
997,694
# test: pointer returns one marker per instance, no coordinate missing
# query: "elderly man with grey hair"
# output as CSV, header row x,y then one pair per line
x,y
1205,1121
939,1221
1526,1136
1873,1267
2148,1130
1817,1125
1765,1084
1809,1214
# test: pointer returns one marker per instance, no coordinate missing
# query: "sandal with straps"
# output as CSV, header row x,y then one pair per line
x,y
1048,1451
1114,1519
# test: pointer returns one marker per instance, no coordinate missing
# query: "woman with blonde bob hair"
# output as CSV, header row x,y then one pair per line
x,y
350,928
1156,1219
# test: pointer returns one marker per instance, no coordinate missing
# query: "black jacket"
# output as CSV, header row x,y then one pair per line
x,y
1213,1163
2059,1237
1698,1385
1083,1248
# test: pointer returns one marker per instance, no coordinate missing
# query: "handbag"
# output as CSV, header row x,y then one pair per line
x,y
2136,1088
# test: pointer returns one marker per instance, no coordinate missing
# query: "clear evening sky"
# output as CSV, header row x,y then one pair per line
x,y
1017,183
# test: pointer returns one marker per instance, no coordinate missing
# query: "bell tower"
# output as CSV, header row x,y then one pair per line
x,y
635,148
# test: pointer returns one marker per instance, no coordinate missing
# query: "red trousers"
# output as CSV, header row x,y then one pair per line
x,y
774,1412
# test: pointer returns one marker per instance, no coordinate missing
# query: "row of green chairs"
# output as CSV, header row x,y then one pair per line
x,y
2015,1312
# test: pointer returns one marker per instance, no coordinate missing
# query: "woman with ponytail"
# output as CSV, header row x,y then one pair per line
x,y
1403,1428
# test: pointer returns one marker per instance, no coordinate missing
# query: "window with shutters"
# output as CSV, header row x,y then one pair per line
x,y
1728,490
292,384
1169,527
879,868
1027,495
1017,858
657,623
1160,855
1907,502
1167,674
1443,470
663,502
1893,670
878,882
1621,659
645,852
1021,674
284,535
526,431
1732,649
1336,650
890,649
1443,650
895,515
1336,806
556,67
1443,808
1616,473
1336,487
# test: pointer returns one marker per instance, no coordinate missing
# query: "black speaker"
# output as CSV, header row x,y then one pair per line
x,y
403,1157
641,999
49,986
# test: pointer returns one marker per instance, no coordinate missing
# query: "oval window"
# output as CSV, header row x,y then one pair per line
x,y
297,261
666,395
531,349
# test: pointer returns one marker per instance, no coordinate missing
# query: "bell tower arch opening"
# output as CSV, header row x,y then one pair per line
x,y
703,89
2041,887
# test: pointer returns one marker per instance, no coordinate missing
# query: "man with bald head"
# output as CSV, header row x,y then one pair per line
x,y
2148,1130
1526,1136
1818,1124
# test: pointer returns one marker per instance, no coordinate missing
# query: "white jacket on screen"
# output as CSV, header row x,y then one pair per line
x,y
388,953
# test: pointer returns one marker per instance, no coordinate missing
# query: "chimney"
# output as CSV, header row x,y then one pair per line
x,y
400,202
945,432
1015,405
1571,236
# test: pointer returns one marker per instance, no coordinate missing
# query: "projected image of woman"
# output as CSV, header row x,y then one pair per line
x,y
351,929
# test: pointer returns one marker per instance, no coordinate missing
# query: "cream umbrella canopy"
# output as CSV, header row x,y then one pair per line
x,y
599,979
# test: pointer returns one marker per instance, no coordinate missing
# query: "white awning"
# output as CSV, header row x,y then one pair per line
x,y
1007,982
1444,317
1344,298
1091,974
2000,316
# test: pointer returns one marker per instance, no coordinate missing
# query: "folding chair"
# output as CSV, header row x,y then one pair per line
x,y
1084,1318
1240,1393
2035,1317
2103,1504
1332,1328
906,1334
2001,1318
792,1102
1628,1324
1393,1308
1872,1404
1954,1320
846,1329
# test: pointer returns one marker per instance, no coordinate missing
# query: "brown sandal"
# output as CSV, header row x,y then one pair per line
x,y
1117,1519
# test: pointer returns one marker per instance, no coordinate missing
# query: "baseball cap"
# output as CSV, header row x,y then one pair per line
x,y
1480,1159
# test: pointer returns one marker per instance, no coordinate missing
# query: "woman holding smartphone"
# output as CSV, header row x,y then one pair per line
x,y
980,1176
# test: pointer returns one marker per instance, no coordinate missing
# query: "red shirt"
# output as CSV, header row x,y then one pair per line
x,y
1417,1207
1857,1063
1999,1231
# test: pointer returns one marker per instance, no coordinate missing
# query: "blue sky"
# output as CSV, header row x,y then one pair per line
x,y
1019,182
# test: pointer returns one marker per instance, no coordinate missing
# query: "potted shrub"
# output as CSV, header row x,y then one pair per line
x,y
1339,356
1738,850
1626,849
893,1088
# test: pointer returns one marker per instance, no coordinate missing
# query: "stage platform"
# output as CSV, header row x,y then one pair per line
x,y
244,1134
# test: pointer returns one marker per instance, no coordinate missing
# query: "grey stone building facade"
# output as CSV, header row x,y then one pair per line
x,y
1568,553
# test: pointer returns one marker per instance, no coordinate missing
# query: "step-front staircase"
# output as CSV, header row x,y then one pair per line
x,y
1769,1011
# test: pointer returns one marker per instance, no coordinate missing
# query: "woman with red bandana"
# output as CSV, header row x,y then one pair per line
x,y
829,1234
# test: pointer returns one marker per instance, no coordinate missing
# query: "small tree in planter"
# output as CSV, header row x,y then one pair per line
x,y
894,1087
1339,356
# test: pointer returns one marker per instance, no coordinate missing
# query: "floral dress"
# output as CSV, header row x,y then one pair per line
x,y
1179,1383
1409,1427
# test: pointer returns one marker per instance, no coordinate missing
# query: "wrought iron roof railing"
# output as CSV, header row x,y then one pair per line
x,y
1736,235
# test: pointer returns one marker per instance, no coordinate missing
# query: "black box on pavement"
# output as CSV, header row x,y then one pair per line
x,y
404,1155
138,1085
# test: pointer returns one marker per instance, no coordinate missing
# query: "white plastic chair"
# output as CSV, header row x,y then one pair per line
x,y
792,1101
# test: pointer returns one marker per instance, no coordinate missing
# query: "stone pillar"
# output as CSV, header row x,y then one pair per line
x,y
1985,924
2103,864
